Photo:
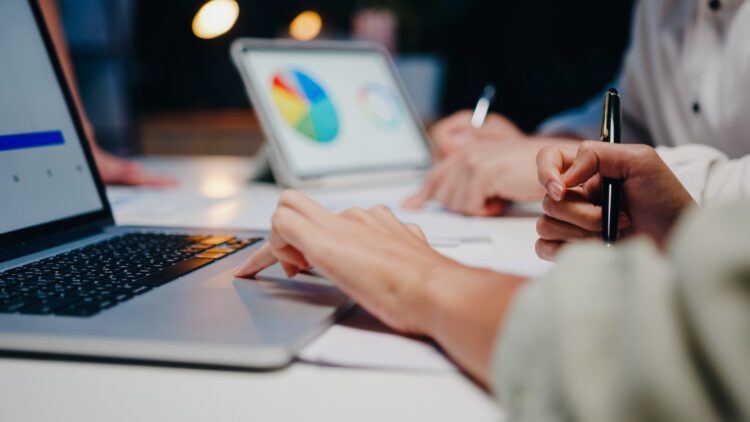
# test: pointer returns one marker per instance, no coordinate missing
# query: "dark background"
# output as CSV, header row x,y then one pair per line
x,y
138,57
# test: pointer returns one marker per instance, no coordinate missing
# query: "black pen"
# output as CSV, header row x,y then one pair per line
x,y
611,132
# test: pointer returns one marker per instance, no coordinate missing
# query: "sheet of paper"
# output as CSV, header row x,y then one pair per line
x,y
352,347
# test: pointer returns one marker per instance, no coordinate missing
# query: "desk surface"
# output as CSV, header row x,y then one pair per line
x,y
54,390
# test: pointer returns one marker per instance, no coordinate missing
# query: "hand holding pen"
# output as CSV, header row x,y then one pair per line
x,y
467,127
585,184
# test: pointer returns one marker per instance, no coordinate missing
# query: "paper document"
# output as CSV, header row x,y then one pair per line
x,y
353,347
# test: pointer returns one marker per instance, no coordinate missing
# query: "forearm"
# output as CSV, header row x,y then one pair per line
x,y
465,308
51,14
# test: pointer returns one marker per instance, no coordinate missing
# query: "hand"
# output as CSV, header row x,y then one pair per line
x,y
455,131
652,197
389,269
477,179
118,171
382,264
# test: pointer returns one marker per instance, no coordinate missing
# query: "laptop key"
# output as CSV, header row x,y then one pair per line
x,y
217,240
15,305
49,307
79,311
84,281
173,272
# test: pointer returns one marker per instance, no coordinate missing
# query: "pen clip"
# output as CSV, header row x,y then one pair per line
x,y
610,117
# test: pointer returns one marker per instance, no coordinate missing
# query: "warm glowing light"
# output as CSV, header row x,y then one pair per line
x,y
306,26
218,187
215,18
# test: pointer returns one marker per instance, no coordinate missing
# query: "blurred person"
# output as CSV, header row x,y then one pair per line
x,y
376,25
683,86
114,170
643,331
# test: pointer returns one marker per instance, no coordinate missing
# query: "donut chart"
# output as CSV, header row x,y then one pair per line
x,y
305,105
380,106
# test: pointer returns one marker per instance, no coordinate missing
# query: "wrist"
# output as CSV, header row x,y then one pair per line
x,y
429,298
464,309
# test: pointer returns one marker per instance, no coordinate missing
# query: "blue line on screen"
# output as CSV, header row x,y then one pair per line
x,y
31,140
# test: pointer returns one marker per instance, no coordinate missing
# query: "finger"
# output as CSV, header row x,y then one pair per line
x,y
456,122
388,221
489,205
494,207
451,175
133,173
434,180
472,199
459,192
290,240
360,216
261,259
579,211
384,217
610,160
549,228
592,189
289,256
156,180
450,133
551,161
417,232
293,229
547,249
425,193
305,206
574,210
290,269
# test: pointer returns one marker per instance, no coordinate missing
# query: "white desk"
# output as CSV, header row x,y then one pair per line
x,y
55,390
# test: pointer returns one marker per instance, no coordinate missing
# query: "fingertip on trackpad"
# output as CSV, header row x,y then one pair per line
x,y
276,273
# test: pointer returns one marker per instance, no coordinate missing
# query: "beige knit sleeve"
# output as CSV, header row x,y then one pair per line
x,y
627,333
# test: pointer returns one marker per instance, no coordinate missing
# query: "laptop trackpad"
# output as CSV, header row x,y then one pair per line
x,y
274,273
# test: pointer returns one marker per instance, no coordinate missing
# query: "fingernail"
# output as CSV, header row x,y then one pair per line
x,y
623,221
411,203
555,190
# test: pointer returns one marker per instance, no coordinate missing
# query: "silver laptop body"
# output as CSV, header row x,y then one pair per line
x,y
206,317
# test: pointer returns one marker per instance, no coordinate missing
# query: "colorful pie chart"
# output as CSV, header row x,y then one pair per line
x,y
305,105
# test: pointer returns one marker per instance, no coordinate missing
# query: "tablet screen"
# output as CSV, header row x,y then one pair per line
x,y
335,111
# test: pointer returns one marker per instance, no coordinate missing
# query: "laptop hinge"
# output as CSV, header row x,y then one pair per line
x,y
50,241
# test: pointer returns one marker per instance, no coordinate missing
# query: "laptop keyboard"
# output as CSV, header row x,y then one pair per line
x,y
85,281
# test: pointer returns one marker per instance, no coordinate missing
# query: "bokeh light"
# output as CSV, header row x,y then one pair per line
x,y
306,26
215,18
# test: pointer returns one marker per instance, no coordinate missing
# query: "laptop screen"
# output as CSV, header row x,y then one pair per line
x,y
44,173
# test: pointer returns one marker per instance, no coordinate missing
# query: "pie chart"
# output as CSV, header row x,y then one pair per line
x,y
305,105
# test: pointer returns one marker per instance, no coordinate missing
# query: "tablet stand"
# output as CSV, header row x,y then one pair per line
x,y
263,173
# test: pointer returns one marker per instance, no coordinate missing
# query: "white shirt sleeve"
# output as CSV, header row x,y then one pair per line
x,y
707,173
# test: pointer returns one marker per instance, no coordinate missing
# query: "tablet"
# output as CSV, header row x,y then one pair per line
x,y
334,112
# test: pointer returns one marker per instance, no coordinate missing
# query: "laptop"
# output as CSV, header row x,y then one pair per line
x,y
335,113
72,283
